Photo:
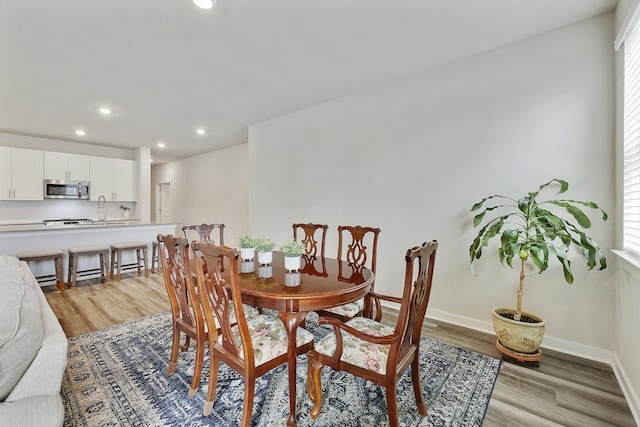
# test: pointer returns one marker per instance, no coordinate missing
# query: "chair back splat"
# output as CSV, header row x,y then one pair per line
x,y
310,241
353,345
358,247
204,232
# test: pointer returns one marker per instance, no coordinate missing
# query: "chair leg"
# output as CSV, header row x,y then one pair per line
x,y
197,370
173,360
113,260
75,270
144,253
59,273
69,269
118,277
138,261
392,405
417,388
317,389
211,388
247,406
103,266
185,346
310,385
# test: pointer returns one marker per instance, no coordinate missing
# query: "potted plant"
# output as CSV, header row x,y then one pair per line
x,y
247,247
531,230
292,252
264,246
126,211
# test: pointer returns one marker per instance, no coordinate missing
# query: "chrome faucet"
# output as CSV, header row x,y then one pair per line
x,y
102,208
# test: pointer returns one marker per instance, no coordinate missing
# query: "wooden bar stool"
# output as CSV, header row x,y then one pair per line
x,y
87,250
116,252
54,254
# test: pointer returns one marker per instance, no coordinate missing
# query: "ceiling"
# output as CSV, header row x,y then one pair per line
x,y
166,67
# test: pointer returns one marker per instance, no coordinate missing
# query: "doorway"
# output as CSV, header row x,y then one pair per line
x,y
163,203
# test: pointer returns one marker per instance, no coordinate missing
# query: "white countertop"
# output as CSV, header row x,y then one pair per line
x,y
41,227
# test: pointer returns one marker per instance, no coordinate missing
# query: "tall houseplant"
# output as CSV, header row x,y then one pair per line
x,y
532,229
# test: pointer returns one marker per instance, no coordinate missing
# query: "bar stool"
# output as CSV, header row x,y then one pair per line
x,y
87,250
54,254
116,252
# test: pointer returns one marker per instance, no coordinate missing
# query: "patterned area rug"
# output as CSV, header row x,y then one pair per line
x,y
116,377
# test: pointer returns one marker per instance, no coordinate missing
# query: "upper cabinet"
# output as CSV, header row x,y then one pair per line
x,y
21,174
66,166
115,179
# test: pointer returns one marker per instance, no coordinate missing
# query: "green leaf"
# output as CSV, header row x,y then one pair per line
x,y
580,216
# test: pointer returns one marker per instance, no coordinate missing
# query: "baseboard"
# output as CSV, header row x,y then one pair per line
x,y
563,346
627,388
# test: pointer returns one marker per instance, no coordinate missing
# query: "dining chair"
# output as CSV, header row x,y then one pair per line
x,y
255,345
312,254
367,348
204,232
186,318
358,246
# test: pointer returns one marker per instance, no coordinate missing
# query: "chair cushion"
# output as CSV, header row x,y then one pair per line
x,y
89,248
37,253
128,245
348,310
21,330
269,338
249,312
356,351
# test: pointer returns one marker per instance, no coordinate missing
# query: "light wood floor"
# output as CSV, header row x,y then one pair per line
x,y
564,390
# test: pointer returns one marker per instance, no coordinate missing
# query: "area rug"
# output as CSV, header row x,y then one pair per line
x,y
117,377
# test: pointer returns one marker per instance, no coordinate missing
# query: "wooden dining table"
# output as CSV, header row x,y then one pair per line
x,y
320,283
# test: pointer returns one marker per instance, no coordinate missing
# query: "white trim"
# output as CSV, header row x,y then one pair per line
x,y
563,346
627,388
629,262
633,14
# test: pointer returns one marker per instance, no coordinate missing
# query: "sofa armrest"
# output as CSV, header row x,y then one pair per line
x,y
37,411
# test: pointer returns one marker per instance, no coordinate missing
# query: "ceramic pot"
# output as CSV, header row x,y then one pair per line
x,y
292,279
521,337
292,263
265,271
247,254
265,258
247,267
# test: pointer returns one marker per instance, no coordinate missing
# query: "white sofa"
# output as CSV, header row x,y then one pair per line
x,y
33,351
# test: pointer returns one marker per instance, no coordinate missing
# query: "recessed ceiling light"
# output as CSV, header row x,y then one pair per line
x,y
151,160
200,131
80,132
105,111
161,144
204,4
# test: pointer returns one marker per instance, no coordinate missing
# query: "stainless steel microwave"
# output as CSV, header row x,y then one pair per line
x,y
64,189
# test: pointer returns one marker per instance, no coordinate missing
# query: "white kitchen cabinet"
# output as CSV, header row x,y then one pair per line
x,y
115,179
66,166
21,177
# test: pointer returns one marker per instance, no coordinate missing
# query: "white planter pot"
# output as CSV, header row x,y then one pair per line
x,y
265,271
247,267
292,263
247,254
265,258
292,279
521,337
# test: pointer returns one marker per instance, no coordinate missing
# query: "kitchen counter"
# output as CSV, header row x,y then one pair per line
x,y
22,237
39,226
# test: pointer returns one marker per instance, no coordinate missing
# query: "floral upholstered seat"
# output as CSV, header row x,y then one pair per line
x,y
358,352
268,337
348,311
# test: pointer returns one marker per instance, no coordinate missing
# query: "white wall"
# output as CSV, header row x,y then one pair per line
x,y
413,156
209,188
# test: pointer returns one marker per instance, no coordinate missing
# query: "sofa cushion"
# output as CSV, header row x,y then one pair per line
x,y
21,329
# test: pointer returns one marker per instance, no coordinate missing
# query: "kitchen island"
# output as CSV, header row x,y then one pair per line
x,y
22,237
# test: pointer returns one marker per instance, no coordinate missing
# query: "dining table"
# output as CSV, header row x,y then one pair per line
x,y
320,283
